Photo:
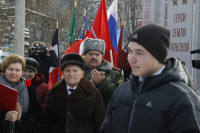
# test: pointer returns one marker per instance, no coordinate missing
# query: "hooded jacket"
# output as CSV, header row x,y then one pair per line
x,y
163,104
42,88
80,112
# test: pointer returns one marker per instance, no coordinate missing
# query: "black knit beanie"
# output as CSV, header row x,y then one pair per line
x,y
154,38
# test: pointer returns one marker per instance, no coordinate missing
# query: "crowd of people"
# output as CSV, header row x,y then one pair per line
x,y
94,97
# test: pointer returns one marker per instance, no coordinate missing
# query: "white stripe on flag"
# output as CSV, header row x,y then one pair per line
x,y
55,48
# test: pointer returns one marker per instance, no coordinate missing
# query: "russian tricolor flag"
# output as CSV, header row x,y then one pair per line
x,y
112,21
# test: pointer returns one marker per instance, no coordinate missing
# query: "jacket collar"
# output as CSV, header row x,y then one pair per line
x,y
105,66
38,79
83,89
173,71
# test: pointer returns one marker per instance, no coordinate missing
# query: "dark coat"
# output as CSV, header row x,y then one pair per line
x,y
164,104
46,63
29,121
80,112
2,121
41,87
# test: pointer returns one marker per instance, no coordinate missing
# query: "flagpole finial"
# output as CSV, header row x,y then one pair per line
x,y
57,24
85,11
75,4
124,23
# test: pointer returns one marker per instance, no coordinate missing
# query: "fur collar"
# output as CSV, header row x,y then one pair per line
x,y
84,88
105,66
38,79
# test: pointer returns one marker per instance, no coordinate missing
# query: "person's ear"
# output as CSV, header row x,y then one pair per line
x,y
83,73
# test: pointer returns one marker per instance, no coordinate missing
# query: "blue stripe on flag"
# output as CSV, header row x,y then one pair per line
x,y
118,35
113,31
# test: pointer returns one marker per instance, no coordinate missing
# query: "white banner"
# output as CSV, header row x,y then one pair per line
x,y
180,22
153,11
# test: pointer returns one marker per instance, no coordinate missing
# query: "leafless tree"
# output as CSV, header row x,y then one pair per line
x,y
41,17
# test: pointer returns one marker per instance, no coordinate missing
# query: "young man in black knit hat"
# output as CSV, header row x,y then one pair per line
x,y
159,97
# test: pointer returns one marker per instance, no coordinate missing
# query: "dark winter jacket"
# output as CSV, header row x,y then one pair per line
x,y
164,104
47,62
29,119
113,77
80,112
42,88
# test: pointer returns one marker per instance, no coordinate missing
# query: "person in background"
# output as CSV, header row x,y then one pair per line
x,y
37,80
99,71
73,105
158,98
13,66
47,58
122,63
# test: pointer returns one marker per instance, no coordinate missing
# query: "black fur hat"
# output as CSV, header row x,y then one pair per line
x,y
32,63
72,59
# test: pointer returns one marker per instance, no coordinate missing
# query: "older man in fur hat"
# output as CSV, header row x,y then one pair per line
x,y
73,105
101,72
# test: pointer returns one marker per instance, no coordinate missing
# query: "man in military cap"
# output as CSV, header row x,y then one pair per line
x,y
99,71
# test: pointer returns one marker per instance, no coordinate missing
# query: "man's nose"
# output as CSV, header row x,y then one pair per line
x,y
70,73
131,58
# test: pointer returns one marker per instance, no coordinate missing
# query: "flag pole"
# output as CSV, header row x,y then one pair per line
x,y
75,5
111,57
57,24
85,11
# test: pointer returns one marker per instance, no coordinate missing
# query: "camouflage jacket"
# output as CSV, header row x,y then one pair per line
x,y
113,77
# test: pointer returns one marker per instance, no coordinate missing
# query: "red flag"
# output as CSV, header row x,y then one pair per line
x,y
120,40
75,47
100,28
53,72
139,23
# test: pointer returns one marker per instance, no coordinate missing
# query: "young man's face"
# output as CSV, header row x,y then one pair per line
x,y
93,59
141,61
72,75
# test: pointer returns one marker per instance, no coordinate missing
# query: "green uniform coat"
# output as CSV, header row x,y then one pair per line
x,y
113,77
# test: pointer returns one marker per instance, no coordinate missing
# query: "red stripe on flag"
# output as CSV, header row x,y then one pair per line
x,y
53,77
120,40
